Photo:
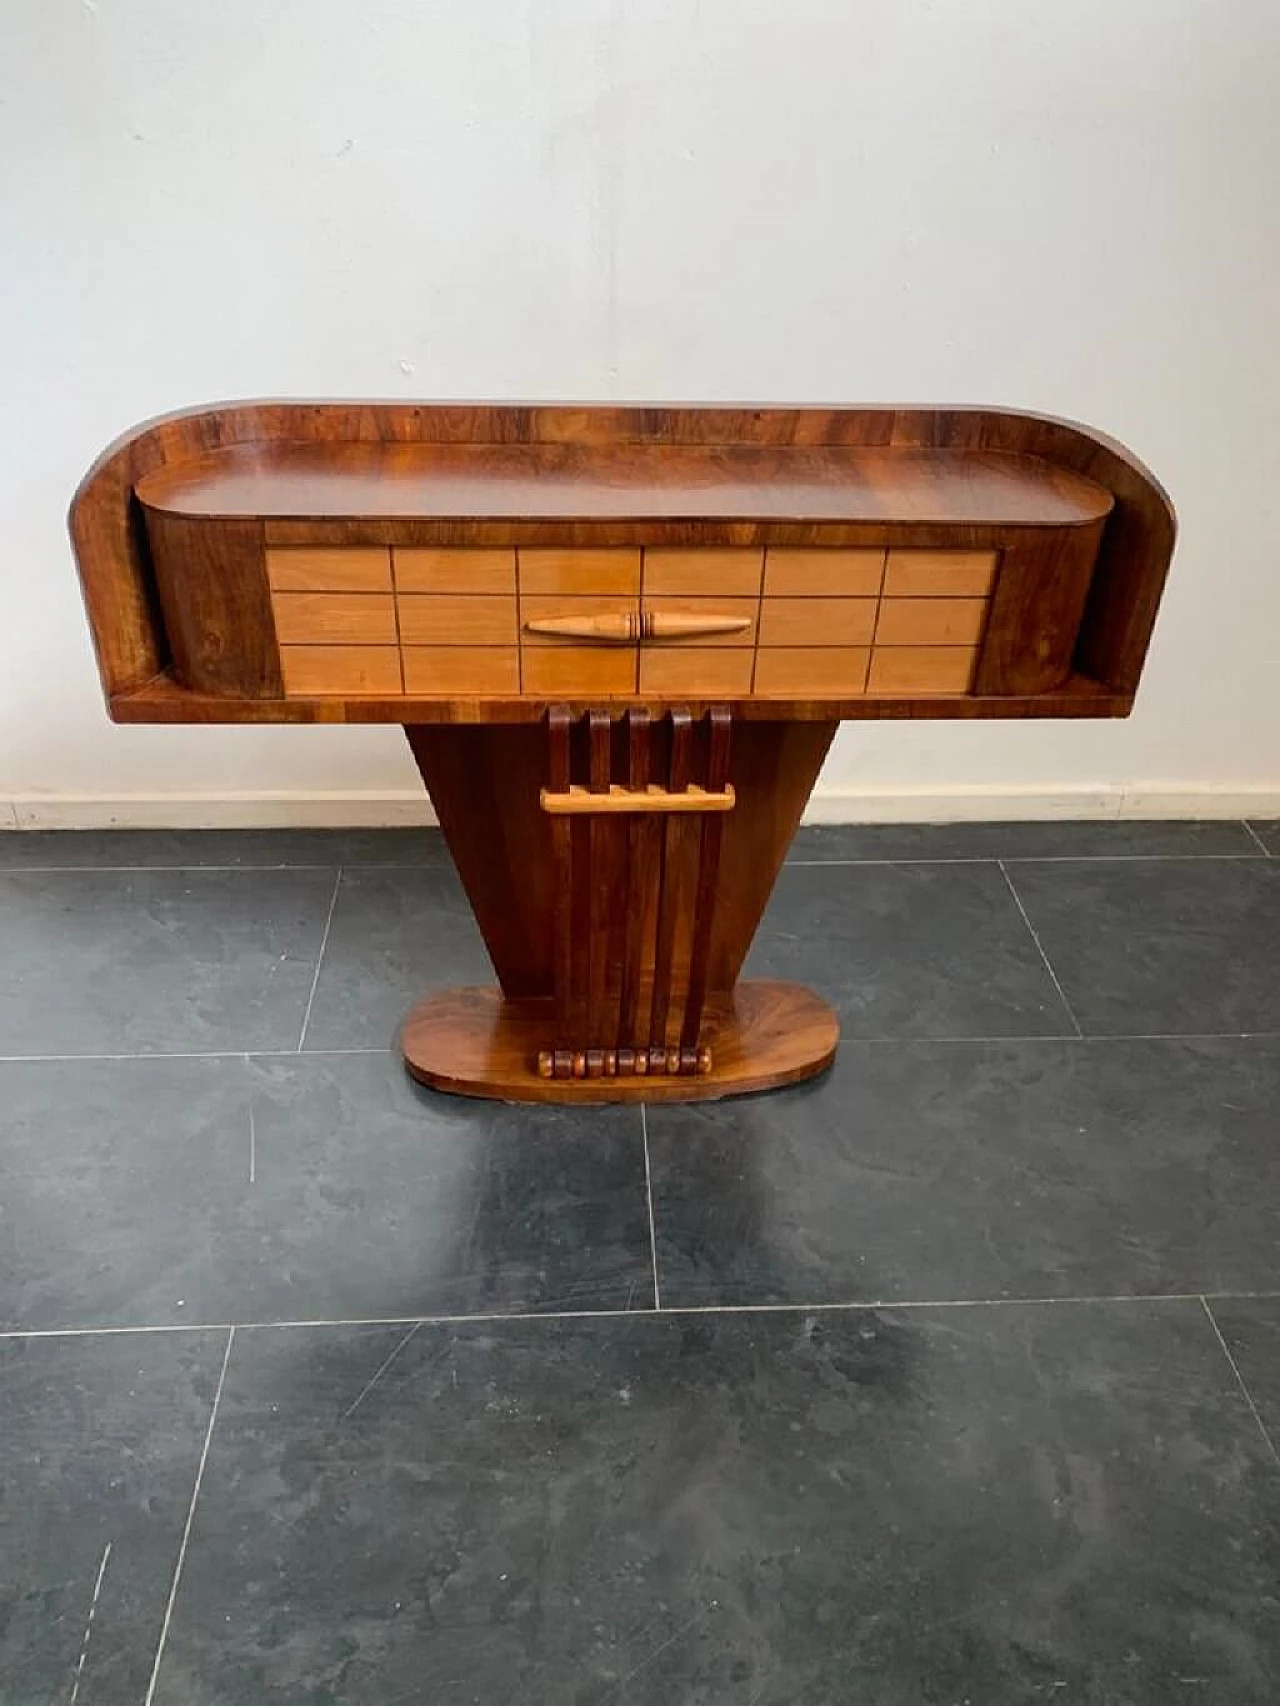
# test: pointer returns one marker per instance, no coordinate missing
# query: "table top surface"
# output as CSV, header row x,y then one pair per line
x,y
625,481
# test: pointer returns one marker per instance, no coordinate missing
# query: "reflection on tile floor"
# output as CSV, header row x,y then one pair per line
x,y
965,1379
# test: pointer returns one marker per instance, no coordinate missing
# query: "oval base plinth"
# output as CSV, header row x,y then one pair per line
x,y
473,1042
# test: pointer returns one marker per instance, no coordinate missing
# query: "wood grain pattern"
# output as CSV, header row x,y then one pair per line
x,y
340,669
457,619
708,573
212,585
444,569
939,574
930,621
822,573
321,569
702,670
579,571
1037,609
921,669
812,671
554,671
666,606
470,670
817,621
334,618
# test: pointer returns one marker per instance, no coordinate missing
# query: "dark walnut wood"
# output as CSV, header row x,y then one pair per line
x,y
620,641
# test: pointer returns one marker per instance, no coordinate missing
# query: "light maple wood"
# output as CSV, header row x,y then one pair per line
x,y
939,574
578,671
457,619
320,569
705,671
453,569
461,669
822,573
583,802
536,609
921,669
704,572
708,625
334,618
578,571
811,671
669,610
930,621
356,670
817,621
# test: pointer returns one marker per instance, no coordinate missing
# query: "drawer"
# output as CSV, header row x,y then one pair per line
x,y
342,568
811,672
578,670
922,669
334,618
457,619
544,571
538,609
930,621
821,573
817,621
461,669
454,570
699,671
354,670
705,609
706,572
939,574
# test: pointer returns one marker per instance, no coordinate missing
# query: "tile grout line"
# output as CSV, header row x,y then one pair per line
x,y
88,1628
324,943
191,1512
1235,1369
1017,901
382,1368
648,1192
887,1304
253,1131
1041,859
1250,830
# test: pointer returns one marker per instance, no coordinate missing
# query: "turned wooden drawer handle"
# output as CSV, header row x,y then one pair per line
x,y
622,625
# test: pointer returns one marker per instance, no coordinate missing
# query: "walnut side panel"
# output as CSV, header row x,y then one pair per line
x,y
212,581
1036,608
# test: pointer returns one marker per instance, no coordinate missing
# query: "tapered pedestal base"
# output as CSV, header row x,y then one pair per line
x,y
472,1042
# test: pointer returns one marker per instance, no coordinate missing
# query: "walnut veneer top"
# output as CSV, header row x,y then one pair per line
x,y
625,482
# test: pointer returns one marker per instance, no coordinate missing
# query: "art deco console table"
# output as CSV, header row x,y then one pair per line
x,y
620,641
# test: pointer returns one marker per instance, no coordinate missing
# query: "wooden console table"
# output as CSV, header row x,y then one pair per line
x,y
620,641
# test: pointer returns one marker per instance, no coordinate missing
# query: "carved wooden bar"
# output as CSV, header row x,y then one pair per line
x,y
620,641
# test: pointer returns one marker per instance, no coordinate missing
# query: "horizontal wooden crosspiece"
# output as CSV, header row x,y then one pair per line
x,y
620,626
581,802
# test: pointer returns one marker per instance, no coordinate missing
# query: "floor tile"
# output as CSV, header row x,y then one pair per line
x,y
100,1439
396,935
1251,1328
135,962
1269,834
997,1505
1185,946
920,1171
1073,839
128,1197
912,950
53,849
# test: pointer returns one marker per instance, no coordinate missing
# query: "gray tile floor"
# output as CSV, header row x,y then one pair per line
x,y
953,1376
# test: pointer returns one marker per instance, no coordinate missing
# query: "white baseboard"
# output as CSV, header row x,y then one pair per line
x,y
359,810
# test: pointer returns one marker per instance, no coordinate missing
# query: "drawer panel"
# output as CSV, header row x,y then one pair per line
x,y
457,619
702,573
804,672
324,670
341,568
461,669
822,573
817,621
922,669
334,618
937,574
578,670
930,621
540,608
699,671
614,570
450,569
741,609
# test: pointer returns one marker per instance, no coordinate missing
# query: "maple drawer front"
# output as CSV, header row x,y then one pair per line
x,y
819,573
705,610
812,672
329,671
457,619
939,574
817,621
578,670
582,572
450,569
930,621
461,669
342,568
700,672
700,573
922,669
334,618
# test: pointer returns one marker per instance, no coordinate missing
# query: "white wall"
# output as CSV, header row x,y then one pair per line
x,y
1064,207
